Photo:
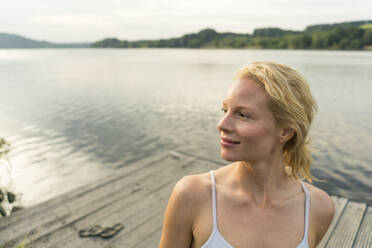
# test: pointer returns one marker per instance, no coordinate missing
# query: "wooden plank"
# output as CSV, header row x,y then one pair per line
x,y
152,225
69,211
133,217
348,225
52,220
340,204
142,231
21,216
136,196
134,220
65,232
364,236
152,240
127,211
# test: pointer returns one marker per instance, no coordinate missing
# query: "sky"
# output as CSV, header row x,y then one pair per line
x,y
93,20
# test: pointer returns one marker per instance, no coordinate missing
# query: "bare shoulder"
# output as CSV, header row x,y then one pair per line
x,y
184,205
322,210
321,203
189,195
192,188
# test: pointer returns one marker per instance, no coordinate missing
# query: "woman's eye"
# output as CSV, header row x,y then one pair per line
x,y
224,110
243,115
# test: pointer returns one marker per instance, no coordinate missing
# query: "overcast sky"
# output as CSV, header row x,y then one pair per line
x,y
92,20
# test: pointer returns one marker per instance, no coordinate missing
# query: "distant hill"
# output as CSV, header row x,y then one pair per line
x,y
326,27
17,41
272,32
356,35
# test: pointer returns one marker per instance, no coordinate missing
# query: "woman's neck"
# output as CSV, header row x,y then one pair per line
x,y
263,182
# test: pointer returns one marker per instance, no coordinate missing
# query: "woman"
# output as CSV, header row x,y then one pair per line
x,y
258,200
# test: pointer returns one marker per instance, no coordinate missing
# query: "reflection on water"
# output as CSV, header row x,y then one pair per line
x,y
73,116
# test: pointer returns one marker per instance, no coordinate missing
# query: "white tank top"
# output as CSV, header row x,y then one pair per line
x,y
216,240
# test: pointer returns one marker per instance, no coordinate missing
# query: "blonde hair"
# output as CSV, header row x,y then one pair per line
x,y
292,105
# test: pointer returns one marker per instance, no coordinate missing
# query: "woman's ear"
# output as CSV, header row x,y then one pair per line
x,y
287,134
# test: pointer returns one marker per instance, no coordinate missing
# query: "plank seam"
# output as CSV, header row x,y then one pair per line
x,y
72,222
360,224
166,155
201,158
123,176
336,224
149,234
115,239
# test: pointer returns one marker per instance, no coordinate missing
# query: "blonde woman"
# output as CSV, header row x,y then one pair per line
x,y
260,199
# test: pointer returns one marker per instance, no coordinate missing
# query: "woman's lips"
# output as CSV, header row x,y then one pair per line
x,y
226,142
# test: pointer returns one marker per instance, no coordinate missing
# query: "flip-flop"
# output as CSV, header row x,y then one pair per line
x,y
11,197
96,230
110,232
84,233
118,226
92,232
2,211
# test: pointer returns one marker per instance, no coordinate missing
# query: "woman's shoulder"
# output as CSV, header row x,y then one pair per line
x,y
321,202
184,205
190,185
322,209
193,188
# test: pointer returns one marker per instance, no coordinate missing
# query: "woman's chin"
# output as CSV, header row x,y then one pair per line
x,y
228,156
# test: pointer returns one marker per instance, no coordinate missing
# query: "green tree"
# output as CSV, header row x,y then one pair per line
x,y
4,148
336,35
356,44
194,43
227,41
272,32
239,42
207,35
318,41
264,43
162,43
110,42
283,44
330,36
306,41
295,41
174,43
343,44
367,37
354,33
124,44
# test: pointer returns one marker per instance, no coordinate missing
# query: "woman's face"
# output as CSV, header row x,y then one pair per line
x,y
248,129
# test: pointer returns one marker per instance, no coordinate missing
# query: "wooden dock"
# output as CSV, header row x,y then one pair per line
x,y
136,196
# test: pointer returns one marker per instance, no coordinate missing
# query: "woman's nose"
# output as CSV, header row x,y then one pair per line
x,y
225,124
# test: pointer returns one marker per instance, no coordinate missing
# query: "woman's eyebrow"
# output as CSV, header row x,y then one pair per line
x,y
224,104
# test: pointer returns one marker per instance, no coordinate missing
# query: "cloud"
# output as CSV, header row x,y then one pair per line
x,y
91,20
74,28
73,21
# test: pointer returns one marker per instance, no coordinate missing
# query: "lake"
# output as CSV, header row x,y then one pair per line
x,y
73,116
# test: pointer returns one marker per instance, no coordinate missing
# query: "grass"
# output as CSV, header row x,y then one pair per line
x,y
366,26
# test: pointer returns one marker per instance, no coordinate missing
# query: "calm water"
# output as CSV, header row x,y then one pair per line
x,y
73,116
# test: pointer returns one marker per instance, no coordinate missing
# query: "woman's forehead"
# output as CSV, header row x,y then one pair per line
x,y
246,92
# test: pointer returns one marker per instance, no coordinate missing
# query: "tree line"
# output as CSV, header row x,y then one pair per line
x,y
341,36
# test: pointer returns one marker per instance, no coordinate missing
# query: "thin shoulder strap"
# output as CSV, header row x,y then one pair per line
x,y
214,200
307,208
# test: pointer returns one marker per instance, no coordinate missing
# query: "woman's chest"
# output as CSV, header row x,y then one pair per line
x,y
243,225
